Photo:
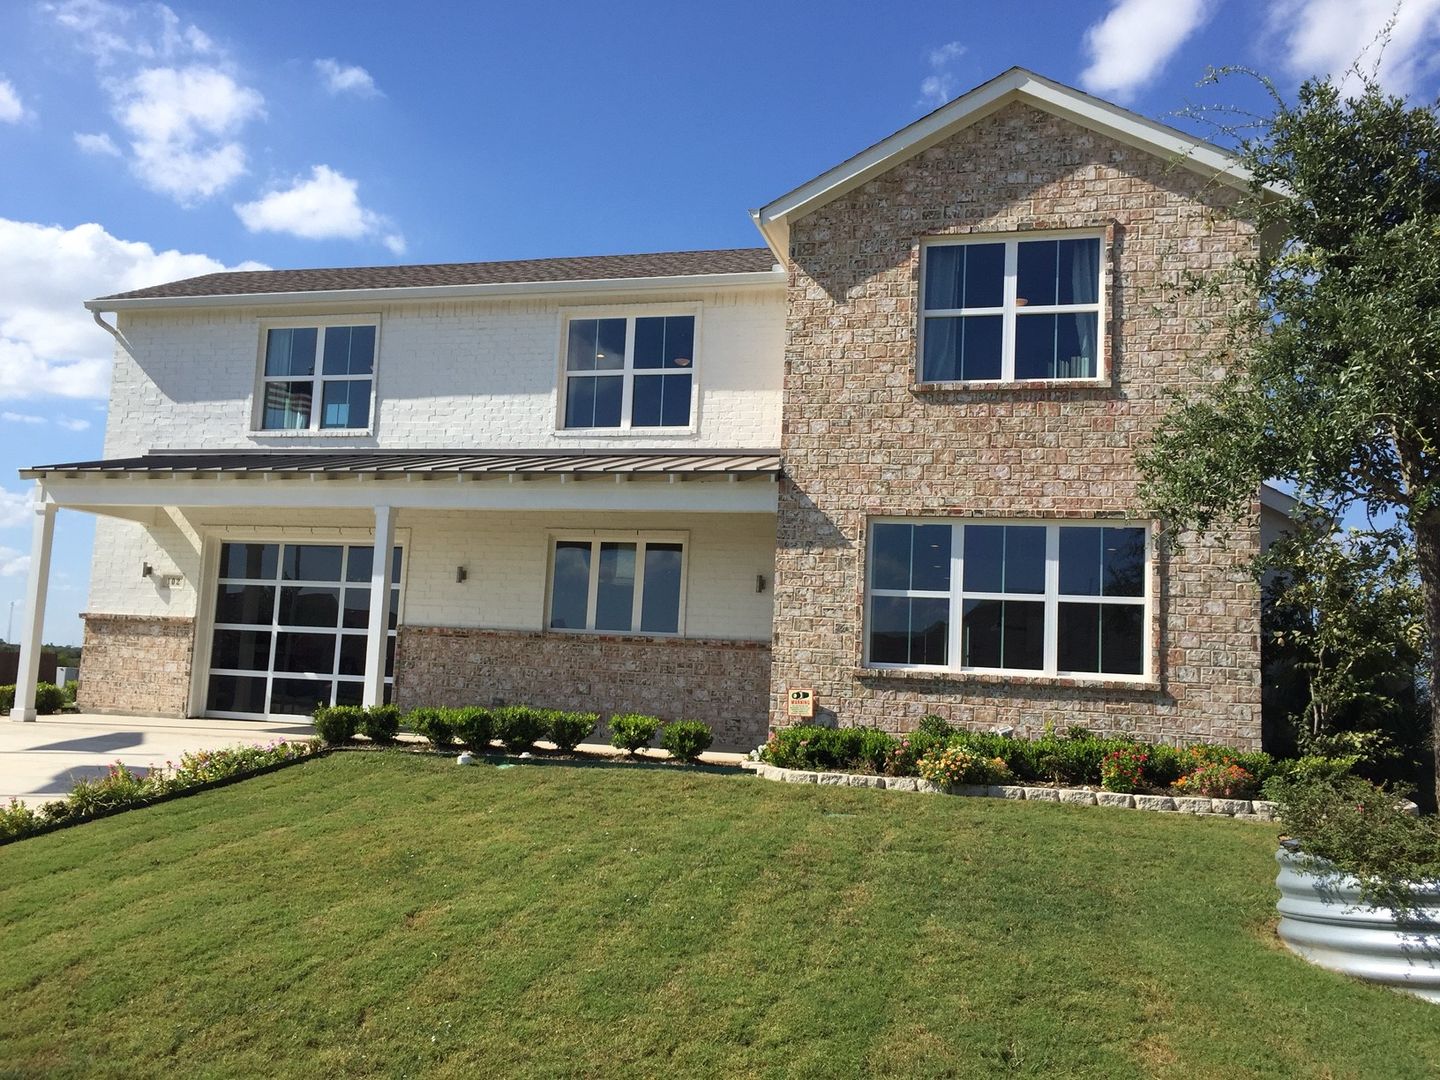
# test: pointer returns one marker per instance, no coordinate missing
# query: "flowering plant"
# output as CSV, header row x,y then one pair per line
x,y
1216,780
952,765
1124,769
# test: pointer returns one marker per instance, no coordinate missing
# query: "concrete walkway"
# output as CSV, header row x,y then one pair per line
x,y
42,761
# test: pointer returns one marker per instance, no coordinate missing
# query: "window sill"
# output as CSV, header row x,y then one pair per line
x,y
986,678
307,433
987,385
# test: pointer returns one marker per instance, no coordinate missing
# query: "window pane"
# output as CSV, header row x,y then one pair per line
x,y
1080,566
245,604
911,557
305,652
360,563
675,402
298,697
352,654
580,351
909,630
349,350
665,341
1003,634
596,345
1078,635
661,401
593,402
356,613
235,693
615,597
1078,271
944,276
346,404
571,587
1124,562
287,405
241,650
249,561
1056,346
1102,561
660,605
984,275
312,562
1005,558
309,605
290,351
350,693
1122,639
1035,272
967,347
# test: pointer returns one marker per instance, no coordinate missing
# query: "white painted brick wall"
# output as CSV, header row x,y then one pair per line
x,y
476,374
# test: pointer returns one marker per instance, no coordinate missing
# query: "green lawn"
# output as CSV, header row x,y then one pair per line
x,y
394,915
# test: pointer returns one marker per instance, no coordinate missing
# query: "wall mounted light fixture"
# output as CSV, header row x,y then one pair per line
x,y
460,574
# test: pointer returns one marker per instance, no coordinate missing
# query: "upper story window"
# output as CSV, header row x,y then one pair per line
x,y
1007,310
629,372
619,585
1022,598
317,377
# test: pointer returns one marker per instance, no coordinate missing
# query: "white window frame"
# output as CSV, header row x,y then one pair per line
x,y
318,379
641,540
1009,310
275,628
1051,597
627,393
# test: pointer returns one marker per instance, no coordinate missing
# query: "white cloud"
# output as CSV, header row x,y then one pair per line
x,y
339,78
173,92
1134,41
12,563
1328,37
71,423
99,144
14,508
939,86
324,207
49,346
12,110
21,418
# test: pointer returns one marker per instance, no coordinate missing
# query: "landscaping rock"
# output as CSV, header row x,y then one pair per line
x,y
1005,791
1191,805
1077,797
900,783
1230,806
865,780
1264,811
1042,794
972,790
1154,802
1115,798
831,779
797,776
929,788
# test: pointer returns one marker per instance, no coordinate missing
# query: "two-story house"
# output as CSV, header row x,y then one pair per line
x,y
887,458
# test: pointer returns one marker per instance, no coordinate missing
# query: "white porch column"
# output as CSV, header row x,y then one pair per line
x,y
378,635
32,630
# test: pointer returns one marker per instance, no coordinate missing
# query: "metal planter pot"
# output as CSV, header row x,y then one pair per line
x,y
1323,920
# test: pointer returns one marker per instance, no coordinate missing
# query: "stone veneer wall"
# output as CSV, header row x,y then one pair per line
x,y
136,664
724,683
861,439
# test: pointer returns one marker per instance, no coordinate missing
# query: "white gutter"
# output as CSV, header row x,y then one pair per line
x,y
669,283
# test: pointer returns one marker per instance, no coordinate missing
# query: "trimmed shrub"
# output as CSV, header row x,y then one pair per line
x,y
686,739
49,699
809,746
7,698
337,724
1123,769
568,730
518,726
17,820
380,723
473,725
953,765
631,731
434,724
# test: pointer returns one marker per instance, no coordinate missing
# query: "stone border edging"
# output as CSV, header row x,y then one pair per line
x,y
1239,809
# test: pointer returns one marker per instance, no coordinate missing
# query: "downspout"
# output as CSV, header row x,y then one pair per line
x,y
113,331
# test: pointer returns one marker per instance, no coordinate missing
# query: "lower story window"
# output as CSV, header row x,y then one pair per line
x,y
621,585
1050,599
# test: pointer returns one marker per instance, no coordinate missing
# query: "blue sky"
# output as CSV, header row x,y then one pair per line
x,y
143,142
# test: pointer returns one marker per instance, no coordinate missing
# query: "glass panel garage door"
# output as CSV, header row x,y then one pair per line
x,y
290,623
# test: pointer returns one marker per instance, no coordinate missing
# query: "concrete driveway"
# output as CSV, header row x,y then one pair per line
x,y
41,761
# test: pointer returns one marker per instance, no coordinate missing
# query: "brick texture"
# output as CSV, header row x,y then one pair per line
x,y
136,664
724,683
859,439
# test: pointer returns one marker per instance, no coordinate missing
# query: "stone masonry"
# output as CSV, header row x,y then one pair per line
x,y
136,664
861,439
724,683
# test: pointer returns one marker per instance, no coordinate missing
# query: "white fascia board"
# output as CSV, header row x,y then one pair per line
x,y
756,495
759,279
1272,498
1015,84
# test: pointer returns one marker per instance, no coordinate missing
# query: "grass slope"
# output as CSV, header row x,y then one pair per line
x,y
393,915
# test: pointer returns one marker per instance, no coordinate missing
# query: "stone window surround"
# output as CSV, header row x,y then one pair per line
x,y
1110,232
629,312
623,536
1152,681
265,324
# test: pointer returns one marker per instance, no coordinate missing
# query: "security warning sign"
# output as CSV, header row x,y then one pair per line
x,y
801,704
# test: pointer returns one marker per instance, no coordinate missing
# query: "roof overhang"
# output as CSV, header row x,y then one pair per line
x,y
773,220
593,286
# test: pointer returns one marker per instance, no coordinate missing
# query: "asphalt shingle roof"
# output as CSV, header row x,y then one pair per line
x,y
583,268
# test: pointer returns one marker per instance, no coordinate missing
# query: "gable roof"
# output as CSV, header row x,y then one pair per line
x,y
1017,84
478,277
